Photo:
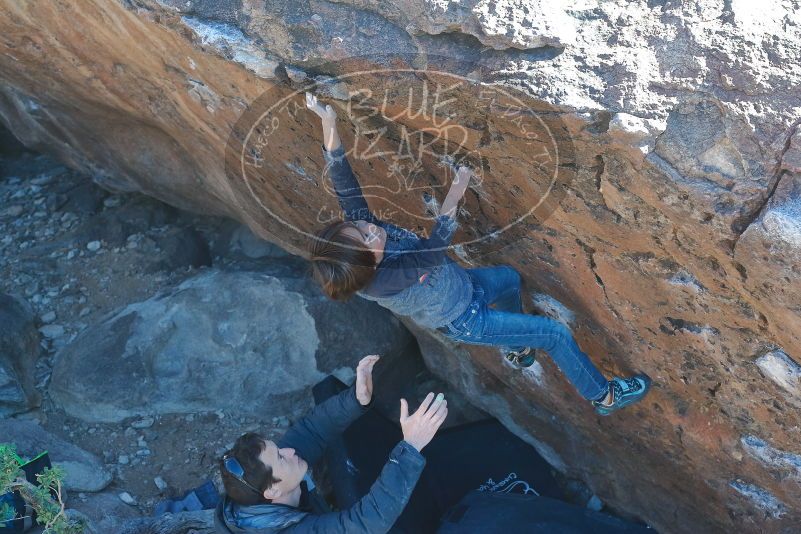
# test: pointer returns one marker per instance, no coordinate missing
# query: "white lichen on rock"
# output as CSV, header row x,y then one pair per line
x,y
523,24
783,225
230,42
783,370
554,309
637,130
772,457
760,497
687,280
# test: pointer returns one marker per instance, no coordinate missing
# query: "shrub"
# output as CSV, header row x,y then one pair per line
x,y
47,499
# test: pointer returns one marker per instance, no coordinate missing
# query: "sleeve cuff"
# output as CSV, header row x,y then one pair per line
x,y
445,227
355,401
335,155
403,451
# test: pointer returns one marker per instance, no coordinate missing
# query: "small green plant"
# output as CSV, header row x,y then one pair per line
x,y
47,499
6,513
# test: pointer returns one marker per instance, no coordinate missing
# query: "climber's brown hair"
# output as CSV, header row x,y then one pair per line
x,y
341,264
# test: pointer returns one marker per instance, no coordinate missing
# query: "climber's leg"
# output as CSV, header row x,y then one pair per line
x,y
501,287
484,326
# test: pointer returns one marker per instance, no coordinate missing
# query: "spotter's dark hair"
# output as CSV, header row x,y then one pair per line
x,y
246,451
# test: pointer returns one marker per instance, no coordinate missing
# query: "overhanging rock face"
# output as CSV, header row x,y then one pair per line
x,y
640,164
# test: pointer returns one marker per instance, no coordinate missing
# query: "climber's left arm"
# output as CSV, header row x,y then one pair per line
x,y
432,249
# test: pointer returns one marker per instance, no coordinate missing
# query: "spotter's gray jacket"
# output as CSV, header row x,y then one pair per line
x,y
375,513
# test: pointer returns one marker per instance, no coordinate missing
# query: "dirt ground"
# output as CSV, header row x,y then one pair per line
x,y
48,216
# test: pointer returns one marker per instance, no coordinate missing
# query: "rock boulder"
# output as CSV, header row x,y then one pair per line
x,y
84,472
19,349
241,342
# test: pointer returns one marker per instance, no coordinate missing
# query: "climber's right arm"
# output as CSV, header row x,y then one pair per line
x,y
346,186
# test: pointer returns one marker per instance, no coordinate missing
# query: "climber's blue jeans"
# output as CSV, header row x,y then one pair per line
x,y
507,326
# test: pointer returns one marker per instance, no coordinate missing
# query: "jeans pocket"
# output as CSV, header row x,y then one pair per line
x,y
470,323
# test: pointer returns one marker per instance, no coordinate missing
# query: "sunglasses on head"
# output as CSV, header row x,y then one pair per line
x,y
234,468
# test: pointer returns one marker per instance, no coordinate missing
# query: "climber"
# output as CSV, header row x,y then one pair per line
x,y
268,488
414,277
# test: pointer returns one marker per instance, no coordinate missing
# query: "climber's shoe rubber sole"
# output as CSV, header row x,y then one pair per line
x,y
627,391
524,358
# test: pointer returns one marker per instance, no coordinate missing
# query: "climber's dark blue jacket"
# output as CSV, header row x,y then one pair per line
x,y
375,513
416,277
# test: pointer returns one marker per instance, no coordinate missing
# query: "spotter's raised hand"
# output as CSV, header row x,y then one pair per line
x,y
364,379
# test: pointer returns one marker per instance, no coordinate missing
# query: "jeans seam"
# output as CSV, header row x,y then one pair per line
x,y
511,288
583,368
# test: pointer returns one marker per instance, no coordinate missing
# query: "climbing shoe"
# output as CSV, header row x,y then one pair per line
x,y
521,358
625,391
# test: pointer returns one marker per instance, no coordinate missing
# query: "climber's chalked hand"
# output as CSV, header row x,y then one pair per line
x,y
463,174
326,113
